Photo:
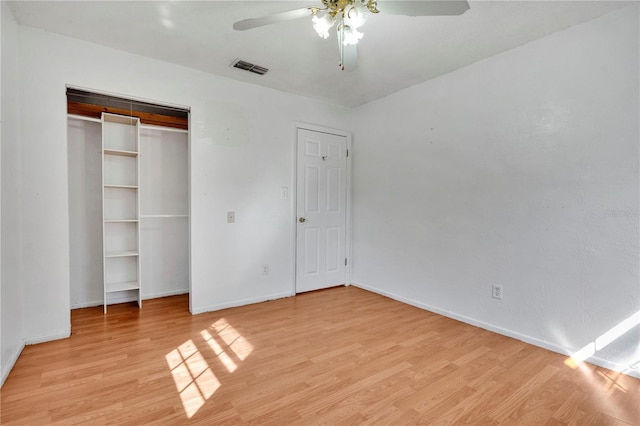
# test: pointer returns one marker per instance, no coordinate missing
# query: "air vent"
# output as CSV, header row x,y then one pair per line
x,y
247,66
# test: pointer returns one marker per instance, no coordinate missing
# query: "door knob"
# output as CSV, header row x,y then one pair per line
x,y
302,220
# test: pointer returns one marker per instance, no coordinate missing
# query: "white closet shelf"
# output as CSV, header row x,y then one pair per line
x,y
122,253
108,185
120,119
121,204
120,152
130,285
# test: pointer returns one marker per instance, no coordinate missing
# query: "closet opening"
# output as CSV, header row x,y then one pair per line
x,y
128,199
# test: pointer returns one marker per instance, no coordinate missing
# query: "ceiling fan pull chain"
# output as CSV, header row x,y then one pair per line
x,y
341,44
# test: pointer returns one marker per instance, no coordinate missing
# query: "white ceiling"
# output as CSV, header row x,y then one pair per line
x,y
396,52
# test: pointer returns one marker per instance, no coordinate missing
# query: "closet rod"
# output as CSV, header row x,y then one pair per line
x,y
84,117
162,128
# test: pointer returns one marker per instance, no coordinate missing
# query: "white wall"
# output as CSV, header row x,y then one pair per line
x,y
12,334
2,376
241,154
520,170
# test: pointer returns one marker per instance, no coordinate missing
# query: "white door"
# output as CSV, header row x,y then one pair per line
x,y
321,208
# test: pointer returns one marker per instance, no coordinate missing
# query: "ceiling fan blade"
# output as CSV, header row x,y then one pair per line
x,y
424,8
350,57
290,15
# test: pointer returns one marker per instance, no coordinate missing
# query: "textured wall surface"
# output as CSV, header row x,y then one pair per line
x,y
12,337
241,154
520,170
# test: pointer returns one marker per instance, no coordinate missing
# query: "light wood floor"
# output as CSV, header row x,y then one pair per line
x,y
338,356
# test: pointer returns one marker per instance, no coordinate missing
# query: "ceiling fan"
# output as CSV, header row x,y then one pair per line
x,y
349,15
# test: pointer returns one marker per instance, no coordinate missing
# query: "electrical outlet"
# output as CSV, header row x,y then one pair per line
x,y
265,269
496,291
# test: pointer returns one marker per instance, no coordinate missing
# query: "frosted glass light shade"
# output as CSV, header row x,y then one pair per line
x,y
354,16
351,36
322,25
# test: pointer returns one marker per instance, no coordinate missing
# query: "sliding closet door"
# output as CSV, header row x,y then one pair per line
x,y
164,208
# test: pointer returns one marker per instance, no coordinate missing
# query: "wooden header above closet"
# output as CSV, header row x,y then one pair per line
x,y
90,104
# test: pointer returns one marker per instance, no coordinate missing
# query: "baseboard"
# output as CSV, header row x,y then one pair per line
x,y
503,331
166,294
94,303
240,302
82,305
49,337
12,362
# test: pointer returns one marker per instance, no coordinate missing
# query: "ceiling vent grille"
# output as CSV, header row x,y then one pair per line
x,y
247,66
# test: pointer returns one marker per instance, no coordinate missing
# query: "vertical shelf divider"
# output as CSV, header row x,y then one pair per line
x,y
121,208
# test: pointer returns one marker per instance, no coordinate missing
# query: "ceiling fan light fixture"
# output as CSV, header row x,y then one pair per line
x,y
350,35
354,15
349,15
323,24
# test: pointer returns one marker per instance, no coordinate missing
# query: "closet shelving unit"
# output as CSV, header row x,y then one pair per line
x,y
121,206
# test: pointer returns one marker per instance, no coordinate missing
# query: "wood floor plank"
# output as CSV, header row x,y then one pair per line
x,y
337,357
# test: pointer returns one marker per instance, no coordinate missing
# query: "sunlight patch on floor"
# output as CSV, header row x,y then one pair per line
x,y
613,380
194,379
601,382
224,358
192,374
234,340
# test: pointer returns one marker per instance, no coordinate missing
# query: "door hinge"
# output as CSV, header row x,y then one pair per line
x,y
347,153
345,261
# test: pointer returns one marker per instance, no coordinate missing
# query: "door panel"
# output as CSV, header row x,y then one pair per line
x,y
311,251
334,190
312,188
333,249
321,202
312,148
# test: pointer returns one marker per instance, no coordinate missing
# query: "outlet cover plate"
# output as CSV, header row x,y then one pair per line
x,y
496,291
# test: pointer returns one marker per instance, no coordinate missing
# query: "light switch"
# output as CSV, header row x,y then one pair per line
x,y
284,192
231,217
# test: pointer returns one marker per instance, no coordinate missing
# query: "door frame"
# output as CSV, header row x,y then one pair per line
x,y
294,198
189,110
